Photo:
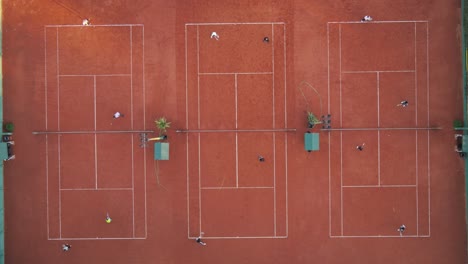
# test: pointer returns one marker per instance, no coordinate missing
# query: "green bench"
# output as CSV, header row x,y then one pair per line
x,y
311,141
161,151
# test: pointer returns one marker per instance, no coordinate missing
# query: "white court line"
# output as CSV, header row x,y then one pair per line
x,y
188,181
239,237
380,186
45,76
244,23
91,75
199,145
274,125
341,136
416,121
59,136
273,71
381,128
95,105
378,22
285,125
60,186
143,76
235,188
329,135
235,99
341,181
144,122
231,73
381,236
104,25
131,79
341,103
95,161
144,184
98,238
94,189
58,81
199,187
95,137
237,136
378,131
198,75
46,138
133,185
428,119
237,160
186,138
47,183
274,183
391,71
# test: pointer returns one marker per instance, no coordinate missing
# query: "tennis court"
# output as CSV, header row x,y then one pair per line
x,y
223,146
94,156
364,187
238,174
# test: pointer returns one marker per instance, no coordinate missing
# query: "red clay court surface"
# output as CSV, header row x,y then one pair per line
x,y
234,99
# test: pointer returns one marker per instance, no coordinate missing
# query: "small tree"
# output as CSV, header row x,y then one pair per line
x,y
312,119
162,125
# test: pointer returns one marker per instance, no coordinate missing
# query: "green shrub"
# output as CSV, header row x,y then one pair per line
x,y
9,127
